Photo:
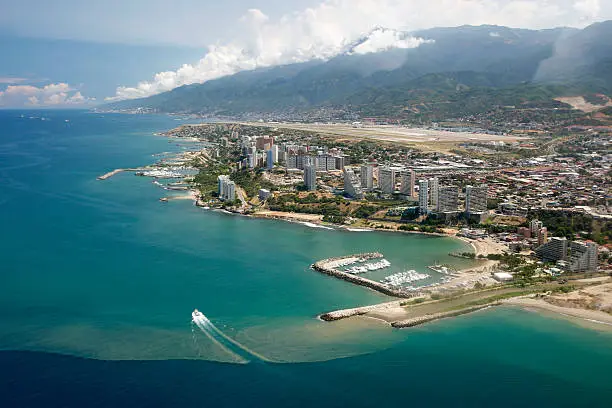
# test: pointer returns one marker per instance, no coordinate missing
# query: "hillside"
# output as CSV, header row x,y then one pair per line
x,y
461,71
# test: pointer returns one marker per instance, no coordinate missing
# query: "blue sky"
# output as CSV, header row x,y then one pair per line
x,y
70,52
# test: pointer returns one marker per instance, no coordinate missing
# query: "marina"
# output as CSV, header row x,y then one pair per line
x,y
371,267
399,279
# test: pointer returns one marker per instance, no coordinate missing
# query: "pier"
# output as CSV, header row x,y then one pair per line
x,y
328,267
114,173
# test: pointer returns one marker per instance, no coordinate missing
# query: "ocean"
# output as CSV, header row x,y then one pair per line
x,y
98,280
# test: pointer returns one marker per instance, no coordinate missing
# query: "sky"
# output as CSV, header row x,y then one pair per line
x,y
77,53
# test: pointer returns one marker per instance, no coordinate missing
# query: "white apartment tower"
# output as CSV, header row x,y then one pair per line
x,y
352,184
227,188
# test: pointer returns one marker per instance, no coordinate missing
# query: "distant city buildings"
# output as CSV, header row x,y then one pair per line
x,y
227,188
476,199
310,177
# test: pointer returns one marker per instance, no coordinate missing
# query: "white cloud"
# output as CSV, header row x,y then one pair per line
x,y
56,94
11,80
323,31
588,9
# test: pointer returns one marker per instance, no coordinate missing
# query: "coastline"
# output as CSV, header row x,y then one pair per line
x,y
595,316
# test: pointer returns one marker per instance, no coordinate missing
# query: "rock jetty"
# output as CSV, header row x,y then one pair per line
x,y
415,321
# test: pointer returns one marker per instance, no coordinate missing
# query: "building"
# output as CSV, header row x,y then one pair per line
x,y
408,182
310,177
423,196
275,158
352,184
367,177
264,194
270,159
433,192
535,226
388,179
553,251
542,236
448,199
264,142
583,257
227,188
326,162
476,199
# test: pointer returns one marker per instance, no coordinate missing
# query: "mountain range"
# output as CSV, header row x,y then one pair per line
x,y
460,69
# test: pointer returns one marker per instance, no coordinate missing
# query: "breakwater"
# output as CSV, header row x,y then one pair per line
x,y
415,321
328,267
114,172
357,311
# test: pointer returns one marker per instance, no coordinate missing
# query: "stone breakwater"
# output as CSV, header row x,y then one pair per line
x,y
328,267
415,321
358,311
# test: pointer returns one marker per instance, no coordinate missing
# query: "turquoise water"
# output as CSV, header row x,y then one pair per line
x,y
102,270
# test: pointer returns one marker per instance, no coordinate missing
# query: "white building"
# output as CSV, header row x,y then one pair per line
x,y
535,226
423,196
310,177
227,188
476,199
264,194
433,192
583,257
448,199
352,184
367,177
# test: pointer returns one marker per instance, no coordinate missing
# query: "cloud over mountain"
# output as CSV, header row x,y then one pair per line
x,y
327,30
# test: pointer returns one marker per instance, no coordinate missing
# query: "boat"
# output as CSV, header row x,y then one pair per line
x,y
197,315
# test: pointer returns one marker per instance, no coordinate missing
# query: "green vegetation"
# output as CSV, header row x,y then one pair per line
x,y
251,182
206,179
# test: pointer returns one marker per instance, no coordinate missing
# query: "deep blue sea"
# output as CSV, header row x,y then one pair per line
x,y
98,280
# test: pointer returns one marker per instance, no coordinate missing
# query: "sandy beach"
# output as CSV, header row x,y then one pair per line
x,y
594,316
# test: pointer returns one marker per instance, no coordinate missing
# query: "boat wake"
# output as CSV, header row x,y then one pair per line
x,y
230,345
